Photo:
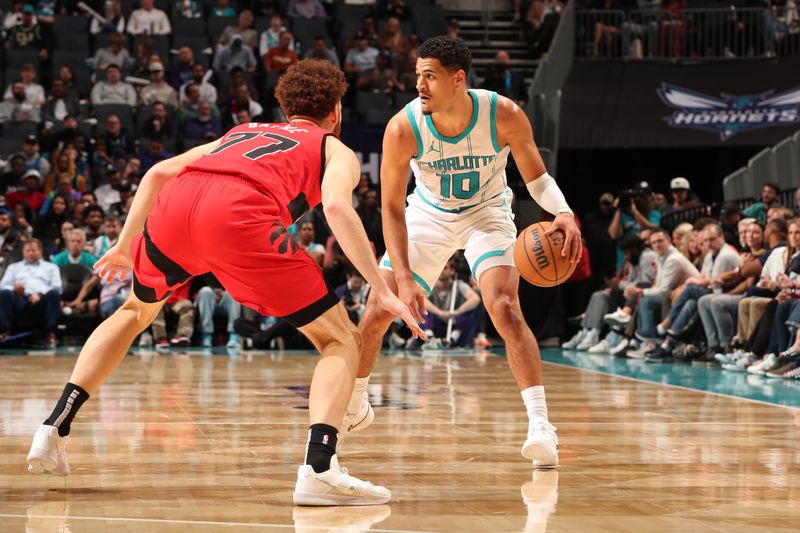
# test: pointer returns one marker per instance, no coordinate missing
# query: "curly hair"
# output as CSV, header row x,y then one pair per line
x,y
452,53
310,88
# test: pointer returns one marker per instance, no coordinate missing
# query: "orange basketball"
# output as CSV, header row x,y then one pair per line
x,y
538,256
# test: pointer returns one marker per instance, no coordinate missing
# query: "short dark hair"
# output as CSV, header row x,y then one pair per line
x,y
774,186
661,230
629,242
779,225
452,53
701,223
89,209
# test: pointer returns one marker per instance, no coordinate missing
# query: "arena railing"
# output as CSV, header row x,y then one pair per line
x,y
779,164
720,33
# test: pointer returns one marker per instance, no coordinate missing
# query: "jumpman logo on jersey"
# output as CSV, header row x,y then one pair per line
x,y
431,149
286,239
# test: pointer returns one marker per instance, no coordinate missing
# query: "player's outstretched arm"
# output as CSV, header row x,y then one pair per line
x,y
117,260
399,146
342,172
514,129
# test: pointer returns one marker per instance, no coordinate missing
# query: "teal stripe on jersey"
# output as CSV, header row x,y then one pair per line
x,y
456,140
493,121
483,257
414,127
417,277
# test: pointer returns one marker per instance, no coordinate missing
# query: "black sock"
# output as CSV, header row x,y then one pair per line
x,y
67,407
321,447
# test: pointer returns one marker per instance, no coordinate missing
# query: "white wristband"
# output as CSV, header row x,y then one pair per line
x,y
545,191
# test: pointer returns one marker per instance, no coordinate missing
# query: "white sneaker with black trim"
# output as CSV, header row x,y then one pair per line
x,y
336,487
360,420
541,446
48,453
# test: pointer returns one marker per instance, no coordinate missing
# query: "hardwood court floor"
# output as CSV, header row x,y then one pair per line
x,y
211,443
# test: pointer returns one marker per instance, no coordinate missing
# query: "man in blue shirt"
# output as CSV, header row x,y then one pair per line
x,y
633,214
31,286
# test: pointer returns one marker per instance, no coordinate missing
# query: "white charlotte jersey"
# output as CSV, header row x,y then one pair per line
x,y
456,173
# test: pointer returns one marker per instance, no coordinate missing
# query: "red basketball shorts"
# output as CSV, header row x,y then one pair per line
x,y
216,223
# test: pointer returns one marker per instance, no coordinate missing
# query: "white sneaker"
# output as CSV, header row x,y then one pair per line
x,y
540,496
589,340
541,446
740,365
724,358
620,348
352,519
642,350
575,340
600,347
761,366
360,420
336,487
618,318
48,453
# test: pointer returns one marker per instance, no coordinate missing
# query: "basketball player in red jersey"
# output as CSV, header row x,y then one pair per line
x,y
223,208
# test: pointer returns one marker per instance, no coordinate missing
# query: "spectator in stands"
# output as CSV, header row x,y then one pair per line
x,y
360,60
12,179
155,152
10,239
112,226
770,197
229,90
34,93
133,170
306,239
59,104
720,261
34,160
182,69
31,286
16,108
633,214
223,9
215,301
639,271
234,55
242,117
28,34
29,194
271,37
454,29
23,214
369,211
188,9
206,91
159,123
241,101
672,271
113,90
204,122
354,294
243,29
539,28
305,9
158,90
681,195
729,218
14,16
379,78
501,79
368,29
393,39
115,53
93,221
281,57
595,232
779,211
177,303
75,254
66,75
149,21
438,305
64,168
118,142
320,50
395,8
126,190
407,80
115,20
107,194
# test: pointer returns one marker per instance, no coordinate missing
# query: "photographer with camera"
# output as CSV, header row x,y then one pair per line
x,y
634,213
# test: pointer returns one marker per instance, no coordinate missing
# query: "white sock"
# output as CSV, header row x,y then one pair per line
x,y
358,395
661,329
535,403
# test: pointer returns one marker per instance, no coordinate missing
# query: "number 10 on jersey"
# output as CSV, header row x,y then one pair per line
x,y
454,185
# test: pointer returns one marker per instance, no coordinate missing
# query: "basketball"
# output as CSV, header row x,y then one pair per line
x,y
538,256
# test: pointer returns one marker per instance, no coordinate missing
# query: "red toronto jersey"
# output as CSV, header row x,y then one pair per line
x,y
283,161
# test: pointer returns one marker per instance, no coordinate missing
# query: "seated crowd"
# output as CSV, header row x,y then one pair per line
x,y
721,291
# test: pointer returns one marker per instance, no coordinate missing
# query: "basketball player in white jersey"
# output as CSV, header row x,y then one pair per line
x,y
457,141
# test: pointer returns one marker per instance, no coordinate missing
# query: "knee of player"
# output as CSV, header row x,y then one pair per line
x,y
503,307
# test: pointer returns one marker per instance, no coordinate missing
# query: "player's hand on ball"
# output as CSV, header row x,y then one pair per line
x,y
115,263
390,302
573,245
